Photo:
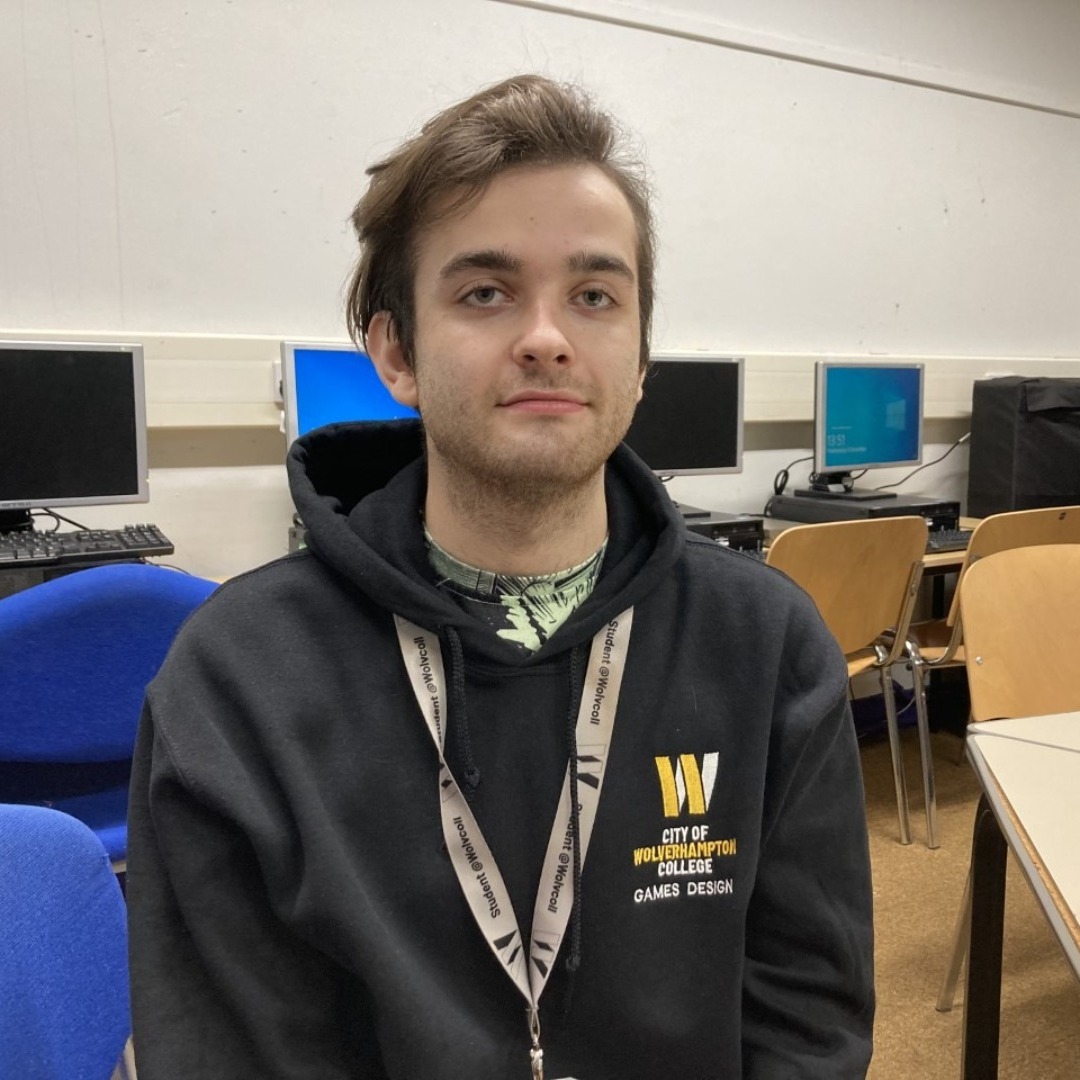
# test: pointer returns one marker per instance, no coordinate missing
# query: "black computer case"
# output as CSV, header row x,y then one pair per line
x,y
939,513
1025,444
744,532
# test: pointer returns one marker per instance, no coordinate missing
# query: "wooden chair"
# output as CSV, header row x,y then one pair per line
x,y
863,577
1021,613
939,643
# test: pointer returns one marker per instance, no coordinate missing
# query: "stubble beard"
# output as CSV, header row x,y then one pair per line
x,y
541,477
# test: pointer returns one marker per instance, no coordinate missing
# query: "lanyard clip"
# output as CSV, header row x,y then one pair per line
x,y
536,1055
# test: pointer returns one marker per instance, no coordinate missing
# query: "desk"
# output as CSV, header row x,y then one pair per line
x,y
1029,770
943,562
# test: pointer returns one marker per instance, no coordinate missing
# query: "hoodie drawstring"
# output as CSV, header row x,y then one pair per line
x,y
459,715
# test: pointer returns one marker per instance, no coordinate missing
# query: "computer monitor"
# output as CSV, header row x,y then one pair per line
x,y
323,383
689,419
73,423
867,416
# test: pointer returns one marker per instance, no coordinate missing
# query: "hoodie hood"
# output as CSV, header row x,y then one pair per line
x,y
359,489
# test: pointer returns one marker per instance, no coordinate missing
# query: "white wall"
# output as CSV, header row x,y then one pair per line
x,y
894,178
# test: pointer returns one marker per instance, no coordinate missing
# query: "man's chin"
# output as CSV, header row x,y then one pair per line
x,y
539,474
557,471
537,465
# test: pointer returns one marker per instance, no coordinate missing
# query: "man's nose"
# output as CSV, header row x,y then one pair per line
x,y
543,336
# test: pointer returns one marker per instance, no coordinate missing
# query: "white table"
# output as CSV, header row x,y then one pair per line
x,y
1029,770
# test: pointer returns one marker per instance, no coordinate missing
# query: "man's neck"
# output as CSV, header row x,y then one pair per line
x,y
494,530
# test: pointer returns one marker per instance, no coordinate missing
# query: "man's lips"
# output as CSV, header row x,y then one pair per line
x,y
544,401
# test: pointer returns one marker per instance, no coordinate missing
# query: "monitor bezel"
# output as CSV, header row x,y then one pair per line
x,y
288,377
708,358
135,351
821,370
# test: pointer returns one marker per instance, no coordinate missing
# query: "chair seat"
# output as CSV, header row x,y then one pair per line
x,y
932,639
861,660
78,652
933,633
934,655
105,812
64,980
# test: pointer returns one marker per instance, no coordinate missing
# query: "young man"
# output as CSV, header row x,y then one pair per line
x,y
508,774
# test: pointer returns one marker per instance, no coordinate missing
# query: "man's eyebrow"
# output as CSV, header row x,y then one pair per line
x,y
594,262
486,259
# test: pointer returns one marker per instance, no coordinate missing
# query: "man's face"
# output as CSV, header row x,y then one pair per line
x,y
527,344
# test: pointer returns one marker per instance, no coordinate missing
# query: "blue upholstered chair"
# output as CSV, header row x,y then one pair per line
x,y
76,654
64,1004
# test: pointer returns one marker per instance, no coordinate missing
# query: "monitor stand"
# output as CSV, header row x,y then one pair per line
x,y
840,486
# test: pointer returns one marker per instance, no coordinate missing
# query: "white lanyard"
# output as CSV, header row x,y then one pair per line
x,y
473,862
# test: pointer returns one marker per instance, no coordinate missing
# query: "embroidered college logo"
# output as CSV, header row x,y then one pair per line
x,y
683,782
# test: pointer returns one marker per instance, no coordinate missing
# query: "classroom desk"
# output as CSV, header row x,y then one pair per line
x,y
935,567
1029,770
943,562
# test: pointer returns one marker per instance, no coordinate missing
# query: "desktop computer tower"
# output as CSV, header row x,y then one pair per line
x,y
744,532
1025,445
939,513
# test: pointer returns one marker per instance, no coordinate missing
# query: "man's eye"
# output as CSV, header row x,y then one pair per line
x,y
484,295
596,298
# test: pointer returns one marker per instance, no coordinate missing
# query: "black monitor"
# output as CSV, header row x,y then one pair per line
x,y
323,383
689,421
867,415
73,418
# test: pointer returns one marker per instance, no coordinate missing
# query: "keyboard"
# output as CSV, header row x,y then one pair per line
x,y
947,540
28,550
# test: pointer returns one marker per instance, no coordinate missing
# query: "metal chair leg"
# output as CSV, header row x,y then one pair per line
x,y
897,757
926,752
961,935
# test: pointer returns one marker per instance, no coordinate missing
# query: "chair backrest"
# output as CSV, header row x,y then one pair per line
x,y
862,575
78,652
1021,615
1018,528
64,1005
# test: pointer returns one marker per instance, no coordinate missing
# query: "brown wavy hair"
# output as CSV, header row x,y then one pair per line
x,y
525,120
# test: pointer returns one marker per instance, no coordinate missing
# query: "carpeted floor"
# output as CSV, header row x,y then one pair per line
x,y
917,894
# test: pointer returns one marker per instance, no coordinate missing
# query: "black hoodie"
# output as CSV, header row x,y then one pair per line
x,y
293,909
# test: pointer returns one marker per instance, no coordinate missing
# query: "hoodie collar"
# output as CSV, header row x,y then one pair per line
x,y
359,489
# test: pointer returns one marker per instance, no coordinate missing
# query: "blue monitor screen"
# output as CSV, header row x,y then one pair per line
x,y
325,384
868,415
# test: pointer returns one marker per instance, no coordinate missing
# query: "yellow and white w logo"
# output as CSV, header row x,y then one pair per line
x,y
687,783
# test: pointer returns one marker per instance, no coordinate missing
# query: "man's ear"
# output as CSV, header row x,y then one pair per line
x,y
388,356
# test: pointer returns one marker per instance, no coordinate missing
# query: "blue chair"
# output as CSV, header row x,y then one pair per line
x,y
64,1001
77,653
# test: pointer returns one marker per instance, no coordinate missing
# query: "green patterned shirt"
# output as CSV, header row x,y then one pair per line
x,y
524,609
